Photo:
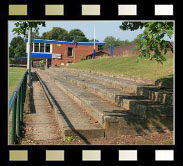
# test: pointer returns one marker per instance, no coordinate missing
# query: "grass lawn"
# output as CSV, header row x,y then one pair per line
x,y
14,76
146,69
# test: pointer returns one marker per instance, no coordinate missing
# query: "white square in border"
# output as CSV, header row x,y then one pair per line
x,y
163,10
127,10
164,155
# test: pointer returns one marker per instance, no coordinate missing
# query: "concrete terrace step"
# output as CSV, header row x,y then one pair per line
x,y
116,120
150,91
72,119
163,96
135,104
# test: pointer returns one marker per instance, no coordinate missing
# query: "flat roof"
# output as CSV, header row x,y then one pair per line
x,y
65,42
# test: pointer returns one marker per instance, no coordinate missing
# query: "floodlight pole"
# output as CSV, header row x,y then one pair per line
x,y
94,51
29,57
94,37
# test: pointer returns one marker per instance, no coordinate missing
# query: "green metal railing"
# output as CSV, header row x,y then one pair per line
x,y
16,105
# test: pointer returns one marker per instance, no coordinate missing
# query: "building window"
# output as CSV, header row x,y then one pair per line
x,y
36,47
70,52
47,47
41,47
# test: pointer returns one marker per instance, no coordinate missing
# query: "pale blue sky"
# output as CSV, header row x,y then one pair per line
x,y
103,29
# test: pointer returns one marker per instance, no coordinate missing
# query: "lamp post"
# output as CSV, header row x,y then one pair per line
x,y
94,51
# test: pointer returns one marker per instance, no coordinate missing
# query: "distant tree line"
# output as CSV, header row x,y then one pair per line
x,y
17,45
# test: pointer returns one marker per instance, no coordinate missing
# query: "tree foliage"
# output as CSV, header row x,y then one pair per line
x,y
110,40
17,47
35,35
23,26
61,34
56,33
77,35
151,43
92,40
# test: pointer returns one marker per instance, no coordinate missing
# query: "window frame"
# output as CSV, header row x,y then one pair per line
x,y
35,47
68,52
39,48
45,47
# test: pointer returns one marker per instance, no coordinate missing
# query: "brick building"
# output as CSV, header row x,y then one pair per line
x,y
60,53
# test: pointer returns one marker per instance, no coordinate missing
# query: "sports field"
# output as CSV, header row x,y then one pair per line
x,y
14,76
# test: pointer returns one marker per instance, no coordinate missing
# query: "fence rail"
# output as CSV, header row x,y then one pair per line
x,y
16,105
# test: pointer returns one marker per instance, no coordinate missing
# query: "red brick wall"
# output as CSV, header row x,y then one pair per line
x,y
80,51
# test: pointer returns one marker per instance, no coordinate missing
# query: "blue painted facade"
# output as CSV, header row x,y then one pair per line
x,y
41,55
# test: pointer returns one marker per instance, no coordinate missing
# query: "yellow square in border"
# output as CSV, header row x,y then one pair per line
x,y
17,10
90,10
18,155
54,10
54,155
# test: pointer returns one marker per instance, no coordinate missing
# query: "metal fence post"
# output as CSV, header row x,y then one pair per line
x,y
25,88
18,113
21,102
13,132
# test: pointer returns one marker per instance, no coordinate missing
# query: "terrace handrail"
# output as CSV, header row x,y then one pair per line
x,y
15,92
16,104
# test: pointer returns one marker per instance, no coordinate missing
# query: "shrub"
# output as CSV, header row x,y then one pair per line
x,y
11,60
82,59
42,64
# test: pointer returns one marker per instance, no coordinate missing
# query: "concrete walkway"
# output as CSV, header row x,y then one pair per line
x,y
41,126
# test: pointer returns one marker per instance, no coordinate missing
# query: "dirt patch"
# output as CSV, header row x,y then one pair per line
x,y
149,139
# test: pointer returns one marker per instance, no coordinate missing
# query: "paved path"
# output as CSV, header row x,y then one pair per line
x,y
41,126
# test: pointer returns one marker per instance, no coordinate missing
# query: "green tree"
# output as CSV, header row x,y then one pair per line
x,y
77,35
152,39
23,26
114,41
56,33
92,40
26,27
99,47
17,47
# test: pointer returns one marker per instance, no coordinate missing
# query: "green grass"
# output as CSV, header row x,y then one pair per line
x,y
14,76
146,69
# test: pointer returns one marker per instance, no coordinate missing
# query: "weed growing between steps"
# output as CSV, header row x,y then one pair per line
x,y
70,138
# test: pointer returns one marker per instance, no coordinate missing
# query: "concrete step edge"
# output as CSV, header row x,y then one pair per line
x,y
58,115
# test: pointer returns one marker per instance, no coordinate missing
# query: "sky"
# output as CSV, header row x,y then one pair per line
x,y
102,29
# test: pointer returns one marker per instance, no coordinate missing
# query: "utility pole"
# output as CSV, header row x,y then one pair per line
x,y
94,37
29,57
94,51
